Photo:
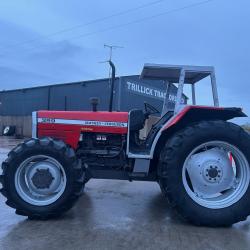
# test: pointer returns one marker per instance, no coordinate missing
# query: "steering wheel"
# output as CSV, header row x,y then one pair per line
x,y
150,110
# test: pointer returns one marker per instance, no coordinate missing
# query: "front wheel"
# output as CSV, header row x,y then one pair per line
x,y
205,174
42,178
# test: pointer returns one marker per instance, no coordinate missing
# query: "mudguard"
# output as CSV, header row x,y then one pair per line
x,y
197,113
188,115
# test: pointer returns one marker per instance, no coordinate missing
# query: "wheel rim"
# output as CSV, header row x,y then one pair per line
x,y
40,180
216,174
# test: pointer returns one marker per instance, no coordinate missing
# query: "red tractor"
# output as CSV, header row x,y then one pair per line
x,y
200,160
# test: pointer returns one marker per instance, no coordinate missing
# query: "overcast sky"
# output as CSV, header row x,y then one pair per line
x,y
47,42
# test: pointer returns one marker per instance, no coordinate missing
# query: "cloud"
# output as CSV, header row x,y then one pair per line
x,y
12,78
39,63
57,50
213,34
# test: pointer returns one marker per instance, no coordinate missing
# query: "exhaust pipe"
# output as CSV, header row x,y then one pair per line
x,y
94,101
112,85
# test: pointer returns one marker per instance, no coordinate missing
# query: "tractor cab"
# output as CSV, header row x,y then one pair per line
x,y
145,124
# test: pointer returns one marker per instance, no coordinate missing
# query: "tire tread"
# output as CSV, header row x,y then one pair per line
x,y
66,152
167,160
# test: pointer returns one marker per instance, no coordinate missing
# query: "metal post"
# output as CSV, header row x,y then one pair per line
x,y
165,103
119,94
180,91
49,98
34,124
214,89
65,103
193,94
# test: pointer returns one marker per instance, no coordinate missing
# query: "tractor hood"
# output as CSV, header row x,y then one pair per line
x,y
68,125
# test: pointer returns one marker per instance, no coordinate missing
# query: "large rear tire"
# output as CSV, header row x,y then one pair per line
x,y
42,178
204,172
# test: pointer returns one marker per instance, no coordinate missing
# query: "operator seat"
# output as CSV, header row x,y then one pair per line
x,y
156,127
136,120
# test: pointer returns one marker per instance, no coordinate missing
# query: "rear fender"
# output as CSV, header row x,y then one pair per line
x,y
192,114
188,115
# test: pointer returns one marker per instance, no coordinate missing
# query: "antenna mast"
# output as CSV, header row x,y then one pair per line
x,y
111,72
111,48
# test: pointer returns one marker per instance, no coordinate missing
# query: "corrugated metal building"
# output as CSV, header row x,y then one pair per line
x,y
130,92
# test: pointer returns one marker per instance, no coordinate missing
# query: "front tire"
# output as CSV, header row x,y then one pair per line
x,y
42,178
199,178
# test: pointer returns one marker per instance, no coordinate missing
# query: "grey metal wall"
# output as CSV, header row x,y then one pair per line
x,y
130,92
76,96
73,96
23,102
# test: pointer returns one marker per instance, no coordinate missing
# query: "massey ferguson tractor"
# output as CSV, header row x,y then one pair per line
x,y
199,158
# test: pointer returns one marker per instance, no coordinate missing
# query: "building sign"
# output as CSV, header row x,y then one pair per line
x,y
143,89
149,91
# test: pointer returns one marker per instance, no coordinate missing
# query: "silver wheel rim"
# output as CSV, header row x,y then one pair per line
x,y
40,180
216,174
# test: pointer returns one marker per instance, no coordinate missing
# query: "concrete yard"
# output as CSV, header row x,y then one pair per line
x,y
115,215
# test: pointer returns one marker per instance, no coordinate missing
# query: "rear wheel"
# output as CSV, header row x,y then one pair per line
x,y
205,174
42,178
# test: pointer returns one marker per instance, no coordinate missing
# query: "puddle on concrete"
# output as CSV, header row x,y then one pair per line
x,y
115,215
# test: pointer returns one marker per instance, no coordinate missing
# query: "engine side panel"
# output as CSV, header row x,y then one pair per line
x,y
68,125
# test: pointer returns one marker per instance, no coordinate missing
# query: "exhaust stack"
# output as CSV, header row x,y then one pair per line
x,y
112,85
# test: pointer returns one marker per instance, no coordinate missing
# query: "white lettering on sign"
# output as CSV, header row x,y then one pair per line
x,y
172,98
148,91
47,120
145,90
83,122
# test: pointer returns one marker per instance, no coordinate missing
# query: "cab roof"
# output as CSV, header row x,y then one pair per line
x,y
171,73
